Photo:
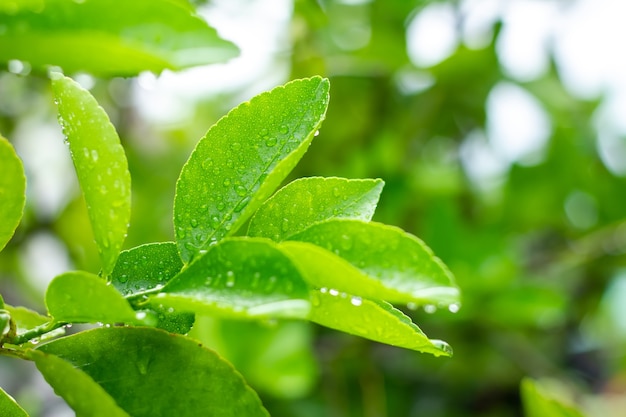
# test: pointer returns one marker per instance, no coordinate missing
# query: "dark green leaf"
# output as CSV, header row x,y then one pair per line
x,y
374,320
306,201
242,160
247,277
76,387
145,267
400,261
12,191
108,37
100,164
79,296
149,373
8,406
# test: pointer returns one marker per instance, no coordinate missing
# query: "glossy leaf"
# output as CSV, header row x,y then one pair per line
x,y
76,387
81,297
400,261
242,160
100,164
306,201
8,406
25,318
145,267
12,191
107,37
149,372
243,277
540,399
374,320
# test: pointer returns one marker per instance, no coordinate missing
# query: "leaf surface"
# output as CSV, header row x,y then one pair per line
x,y
12,191
81,297
307,201
242,160
241,277
399,261
149,373
77,388
100,164
374,320
145,267
541,399
25,318
108,37
8,406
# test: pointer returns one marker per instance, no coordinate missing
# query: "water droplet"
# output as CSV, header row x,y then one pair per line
x,y
430,308
215,222
230,279
236,146
285,225
356,301
323,290
123,278
411,306
207,163
271,282
345,242
454,308
194,223
226,182
441,345
333,292
317,132
315,299
221,206
284,129
94,155
263,132
270,141
140,315
243,203
241,190
86,152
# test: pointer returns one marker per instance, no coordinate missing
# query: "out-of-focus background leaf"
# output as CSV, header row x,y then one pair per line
x,y
498,130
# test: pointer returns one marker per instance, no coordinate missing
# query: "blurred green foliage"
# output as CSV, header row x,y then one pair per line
x,y
539,254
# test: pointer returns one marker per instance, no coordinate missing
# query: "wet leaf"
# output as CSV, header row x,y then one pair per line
x,y
81,297
100,164
108,37
402,263
25,318
306,201
145,267
8,406
240,277
242,160
374,320
76,387
149,372
12,191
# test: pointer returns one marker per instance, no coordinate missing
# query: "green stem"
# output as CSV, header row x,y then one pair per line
x,y
35,332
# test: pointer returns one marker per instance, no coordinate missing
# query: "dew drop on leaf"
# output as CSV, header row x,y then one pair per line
x,y
194,223
333,292
430,308
411,306
241,190
270,142
123,278
454,308
230,279
226,182
356,301
284,129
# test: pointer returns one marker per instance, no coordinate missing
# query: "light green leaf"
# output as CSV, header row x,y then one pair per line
x,y
546,398
77,388
8,406
242,160
149,373
306,201
26,319
244,277
107,37
81,297
398,260
374,320
145,267
100,164
12,191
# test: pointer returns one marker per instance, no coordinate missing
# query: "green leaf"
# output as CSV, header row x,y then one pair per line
x,y
242,160
149,372
8,406
244,277
543,399
26,319
81,297
77,388
398,260
100,164
307,201
107,37
374,320
12,191
145,267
